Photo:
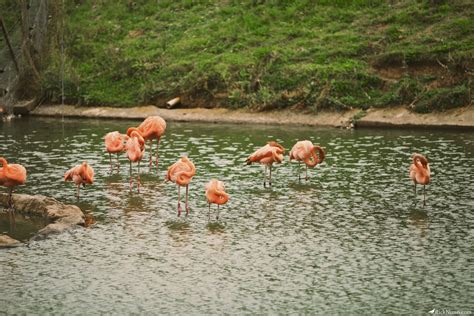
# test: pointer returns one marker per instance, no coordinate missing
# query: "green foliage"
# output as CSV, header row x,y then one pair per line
x,y
443,99
263,54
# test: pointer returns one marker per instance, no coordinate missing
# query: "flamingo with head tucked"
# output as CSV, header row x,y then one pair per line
x,y
135,148
80,174
420,172
267,155
11,175
114,144
305,151
215,193
153,127
181,173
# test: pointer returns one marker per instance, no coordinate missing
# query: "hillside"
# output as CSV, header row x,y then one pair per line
x,y
309,55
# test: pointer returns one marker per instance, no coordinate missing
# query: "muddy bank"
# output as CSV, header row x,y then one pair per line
x,y
389,117
462,118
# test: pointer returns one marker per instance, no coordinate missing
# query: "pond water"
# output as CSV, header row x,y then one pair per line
x,y
351,240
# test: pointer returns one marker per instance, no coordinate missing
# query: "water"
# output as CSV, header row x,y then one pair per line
x,y
21,227
351,240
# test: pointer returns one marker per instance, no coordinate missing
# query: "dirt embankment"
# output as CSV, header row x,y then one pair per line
x,y
391,117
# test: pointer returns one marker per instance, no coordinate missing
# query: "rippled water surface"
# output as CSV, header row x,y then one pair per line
x,y
351,240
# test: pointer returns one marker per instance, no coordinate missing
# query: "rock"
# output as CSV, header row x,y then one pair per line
x,y
24,107
53,228
8,242
62,216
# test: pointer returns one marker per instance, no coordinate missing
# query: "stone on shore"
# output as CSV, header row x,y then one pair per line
x,y
61,216
8,242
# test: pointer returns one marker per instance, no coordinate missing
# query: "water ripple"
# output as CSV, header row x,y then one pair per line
x,y
352,239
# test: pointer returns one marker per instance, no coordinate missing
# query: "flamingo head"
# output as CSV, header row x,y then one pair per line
x,y
417,158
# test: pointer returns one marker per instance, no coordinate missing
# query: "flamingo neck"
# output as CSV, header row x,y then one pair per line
x,y
421,165
223,197
316,158
133,129
3,162
321,154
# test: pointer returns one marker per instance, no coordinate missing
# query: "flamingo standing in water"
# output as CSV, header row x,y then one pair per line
x,y
11,175
420,173
153,127
114,144
135,148
215,193
267,155
305,151
80,174
181,173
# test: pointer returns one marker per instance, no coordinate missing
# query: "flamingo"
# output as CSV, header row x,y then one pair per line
x,y
153,127
215,193
420,173
267,155
11,175
181,173
305,151
135,148
80,174
114,144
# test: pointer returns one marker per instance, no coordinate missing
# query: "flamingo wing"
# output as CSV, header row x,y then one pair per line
x,y
114,142
152,127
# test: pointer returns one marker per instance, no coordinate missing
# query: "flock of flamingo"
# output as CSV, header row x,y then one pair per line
x,y
182,171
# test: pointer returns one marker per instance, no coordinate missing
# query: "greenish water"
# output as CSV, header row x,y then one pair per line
x,y
21,227
351,240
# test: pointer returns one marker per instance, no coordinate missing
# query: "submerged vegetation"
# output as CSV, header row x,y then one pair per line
x,y
266,54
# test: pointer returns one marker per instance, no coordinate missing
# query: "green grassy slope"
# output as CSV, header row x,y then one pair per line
x,y
304,54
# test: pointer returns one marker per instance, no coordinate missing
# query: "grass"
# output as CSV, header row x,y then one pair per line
x,y
266,54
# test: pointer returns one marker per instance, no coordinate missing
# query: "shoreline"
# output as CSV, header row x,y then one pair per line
x,y
397,117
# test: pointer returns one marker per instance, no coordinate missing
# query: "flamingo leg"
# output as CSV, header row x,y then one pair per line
x,y
424,195
299,171
179,205
9,203
157,146
270,179
306,177
151,153
187,205
10,200
209,213
131,180
138,177
118,162
110,159
265,177
78,190
217,217
11,212
415,188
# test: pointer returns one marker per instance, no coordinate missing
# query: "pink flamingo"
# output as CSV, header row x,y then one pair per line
x,y
11,175
135,148
181,173
153,127
114,144
305,151
215,193
80,174
420,173
267,155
